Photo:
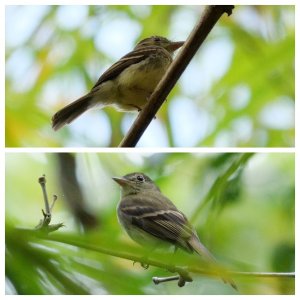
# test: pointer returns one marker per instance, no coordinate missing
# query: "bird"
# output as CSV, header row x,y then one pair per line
x,y
151,219
128,83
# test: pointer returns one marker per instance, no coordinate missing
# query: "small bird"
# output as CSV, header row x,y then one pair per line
x,y
151,219
128,83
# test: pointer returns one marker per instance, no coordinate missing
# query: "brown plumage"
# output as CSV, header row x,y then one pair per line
x,y
128,83
152,219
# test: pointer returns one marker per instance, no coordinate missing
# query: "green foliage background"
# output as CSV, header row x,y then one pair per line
x,y
242,206
243,98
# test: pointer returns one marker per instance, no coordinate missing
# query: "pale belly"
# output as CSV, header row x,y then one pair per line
x,y
137,83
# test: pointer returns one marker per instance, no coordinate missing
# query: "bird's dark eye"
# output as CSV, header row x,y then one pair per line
x,y
140,178
156,39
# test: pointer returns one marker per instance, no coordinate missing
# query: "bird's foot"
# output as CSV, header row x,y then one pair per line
x,y
136,107
183,278
143,265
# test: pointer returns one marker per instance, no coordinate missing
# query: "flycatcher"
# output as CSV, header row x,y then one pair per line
x,y
128,83
152,219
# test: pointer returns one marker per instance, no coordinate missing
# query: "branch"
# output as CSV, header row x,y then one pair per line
x,y
158,280
136,258
182,271
207,21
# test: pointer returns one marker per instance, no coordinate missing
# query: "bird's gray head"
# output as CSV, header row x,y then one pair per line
x,y
134,183
159,41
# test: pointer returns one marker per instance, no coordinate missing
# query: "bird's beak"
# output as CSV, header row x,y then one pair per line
x,y
121,181
174,46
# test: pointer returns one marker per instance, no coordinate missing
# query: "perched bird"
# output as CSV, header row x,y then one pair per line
x,y
128,83
152,219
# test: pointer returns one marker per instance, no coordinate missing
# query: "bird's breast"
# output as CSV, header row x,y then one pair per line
x,y
137,82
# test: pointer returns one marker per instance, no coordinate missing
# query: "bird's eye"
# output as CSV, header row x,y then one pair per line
x,y
140,178
156,39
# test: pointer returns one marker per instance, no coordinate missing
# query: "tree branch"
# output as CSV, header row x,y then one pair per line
x,y
207,21
183,271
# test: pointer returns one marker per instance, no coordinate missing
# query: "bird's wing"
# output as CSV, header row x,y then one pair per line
x,y
170,225
131,58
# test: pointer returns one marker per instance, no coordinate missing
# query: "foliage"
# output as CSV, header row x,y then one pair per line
x,y
238,91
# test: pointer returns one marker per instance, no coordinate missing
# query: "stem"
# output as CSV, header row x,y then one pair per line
x,y
158,280
42,182
53,202
162,265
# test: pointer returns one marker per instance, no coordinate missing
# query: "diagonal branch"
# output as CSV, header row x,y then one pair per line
x,y
207,21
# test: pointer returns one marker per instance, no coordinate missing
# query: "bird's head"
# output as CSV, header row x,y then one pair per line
x,y
160,41
135,182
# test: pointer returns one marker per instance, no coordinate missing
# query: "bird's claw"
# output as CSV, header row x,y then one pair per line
x,y
183,278
143,265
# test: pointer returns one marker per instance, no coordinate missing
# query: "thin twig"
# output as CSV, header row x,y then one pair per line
x,y
181,278
158,280
265,274
207,21
44,224
53,202
42,182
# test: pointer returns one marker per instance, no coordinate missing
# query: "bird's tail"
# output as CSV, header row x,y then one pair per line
x,y
198,247
70,112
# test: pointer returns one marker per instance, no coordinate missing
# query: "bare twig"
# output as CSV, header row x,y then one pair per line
x,y
42,182
265,274
182,278
207,21
53,202
44,224
158,280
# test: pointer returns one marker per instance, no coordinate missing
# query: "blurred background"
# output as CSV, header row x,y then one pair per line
x,y
242,206
238,90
